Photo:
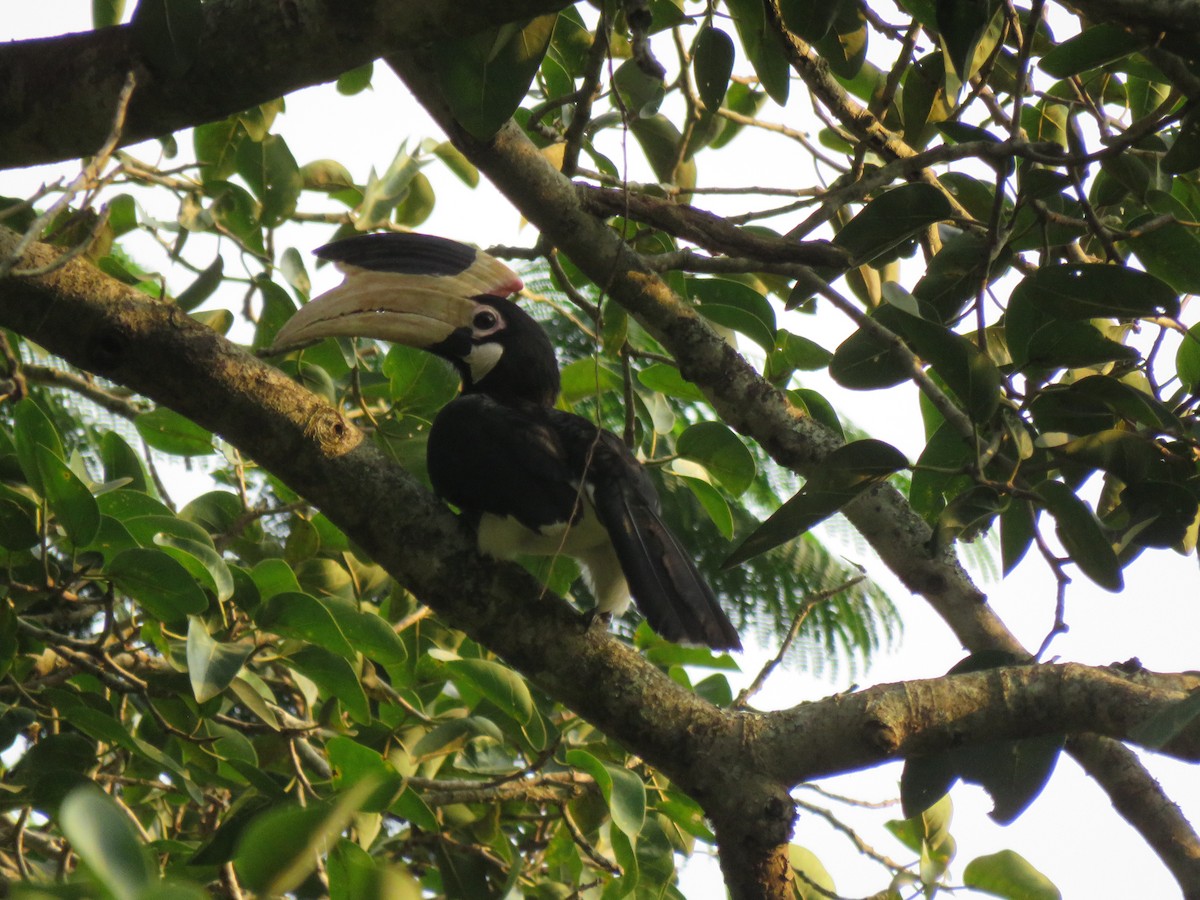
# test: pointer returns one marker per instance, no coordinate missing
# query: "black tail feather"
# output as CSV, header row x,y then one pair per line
x,y
664,582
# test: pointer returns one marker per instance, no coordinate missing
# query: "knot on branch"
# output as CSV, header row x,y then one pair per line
x,y
332,432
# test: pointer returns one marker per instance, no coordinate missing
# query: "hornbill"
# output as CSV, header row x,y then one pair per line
x,y
531,478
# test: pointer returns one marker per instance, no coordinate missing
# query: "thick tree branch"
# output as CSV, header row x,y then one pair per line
x,y
754,407
59,93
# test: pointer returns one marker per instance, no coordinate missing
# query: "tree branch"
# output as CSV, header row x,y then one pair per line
x,y
60,92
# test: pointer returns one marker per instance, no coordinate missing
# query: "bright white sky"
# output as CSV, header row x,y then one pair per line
x,y
1070,833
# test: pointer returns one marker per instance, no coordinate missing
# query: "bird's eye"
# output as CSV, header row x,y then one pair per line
x,y
485,320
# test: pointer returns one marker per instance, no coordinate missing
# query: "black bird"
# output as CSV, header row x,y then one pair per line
x,y
531,478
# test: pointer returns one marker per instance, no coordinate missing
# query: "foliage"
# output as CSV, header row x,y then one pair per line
x,y
1013,216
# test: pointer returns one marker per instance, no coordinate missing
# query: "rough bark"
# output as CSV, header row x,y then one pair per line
x,y
57,95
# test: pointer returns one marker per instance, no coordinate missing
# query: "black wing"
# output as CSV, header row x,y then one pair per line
x,y
663,579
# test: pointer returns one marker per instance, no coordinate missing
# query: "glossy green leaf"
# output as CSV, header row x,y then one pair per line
x,y
167,33
19,517
1092,290
841,476
721,452
953,276
737,306
879,231
762,47
1081,535
794,352
212,665
122,461
1187,359
420,383
356,80
484,77
1167,251
810,19
1008,874
158,583
588,377
496,681
33,430
335,677
384,192
623,790
1017,527
965,369
666,379
353,764
69,498
812,880
283,845
303,616
215,145
713,502
202,287
1097,45
865,361
107,12
168,431
101,833
844,46
184,550
962,25
712,65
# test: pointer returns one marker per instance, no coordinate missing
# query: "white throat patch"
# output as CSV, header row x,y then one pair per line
x,y
482,359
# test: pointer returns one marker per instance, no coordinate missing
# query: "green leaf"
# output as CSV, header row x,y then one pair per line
x,y
33,429
762,47
841,476
496,681
356,80
212,666
1081,535
813,880
1008,874
101,833
167,33
844,47
454,160
962,25
68,497
107,12
202,288
721,452
283,845
420,383
158,583
1097,45
1097,290
714,504
666,379
588,377
808,19
794,352
737,306
353,763
484,77
1167,251
1187,359
215,145
303,616
712,65
122,461
18,520
865,361
966,370
335,678
880,230
1170,721
168,431
1184,153
214,570
622,789
1017,528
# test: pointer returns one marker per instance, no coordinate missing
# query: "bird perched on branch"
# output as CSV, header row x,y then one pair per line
x,y
531,478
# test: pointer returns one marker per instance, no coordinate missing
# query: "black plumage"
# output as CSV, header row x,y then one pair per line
x,y
530,477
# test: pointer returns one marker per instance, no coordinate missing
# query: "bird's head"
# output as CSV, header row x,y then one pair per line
x,y
436,295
